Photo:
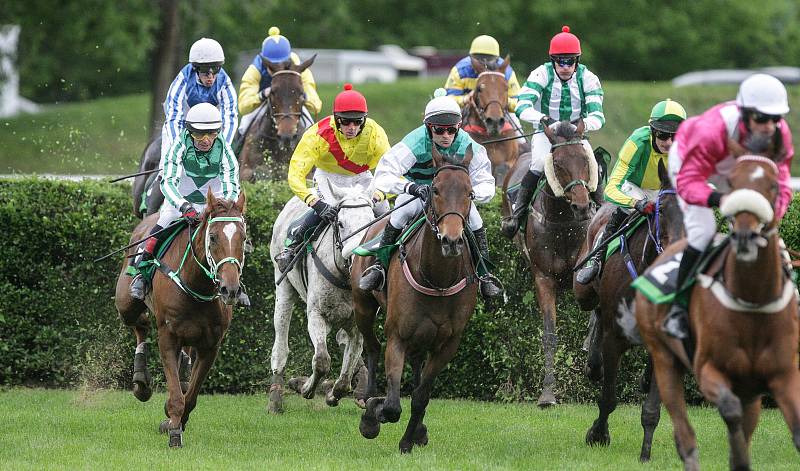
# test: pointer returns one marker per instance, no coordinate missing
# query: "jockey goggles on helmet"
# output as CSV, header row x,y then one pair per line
x,y
762,118
439,130
565,61
348,120
663,135
207,69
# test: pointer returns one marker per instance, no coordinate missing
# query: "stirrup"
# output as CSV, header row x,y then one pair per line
x,y
285,258
138,288
588,272
490,286
369,279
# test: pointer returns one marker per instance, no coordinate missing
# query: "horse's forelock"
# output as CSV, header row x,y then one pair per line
x,y
566,130
221,207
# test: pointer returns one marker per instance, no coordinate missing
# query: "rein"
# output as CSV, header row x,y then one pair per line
x,y
653,221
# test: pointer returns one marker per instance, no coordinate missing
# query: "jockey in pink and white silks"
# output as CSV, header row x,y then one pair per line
x,y
407,170
202,80
705,151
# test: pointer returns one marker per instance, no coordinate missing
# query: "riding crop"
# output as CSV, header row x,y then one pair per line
x,y
179,221
377,219
146,172
602,245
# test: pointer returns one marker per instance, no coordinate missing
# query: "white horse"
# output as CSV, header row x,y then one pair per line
x,y
326,293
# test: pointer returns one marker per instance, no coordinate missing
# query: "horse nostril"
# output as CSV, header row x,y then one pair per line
x,y
501,122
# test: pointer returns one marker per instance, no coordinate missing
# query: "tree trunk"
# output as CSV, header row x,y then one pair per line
x,y
164,61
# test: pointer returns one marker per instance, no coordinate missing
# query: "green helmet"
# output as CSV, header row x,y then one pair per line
x,y
667,115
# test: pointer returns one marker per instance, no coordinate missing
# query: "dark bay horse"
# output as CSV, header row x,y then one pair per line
x,y
556,228
151,156
431,294
743,316
197,317
275,133
486,117
610,296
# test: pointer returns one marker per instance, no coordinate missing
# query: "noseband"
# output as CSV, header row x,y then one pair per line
x,y
213,266
577,181
430,213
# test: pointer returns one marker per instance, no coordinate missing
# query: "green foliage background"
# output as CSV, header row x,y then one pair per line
x,y
59,327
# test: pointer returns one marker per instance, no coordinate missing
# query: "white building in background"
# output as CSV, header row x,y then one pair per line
x,y
11,103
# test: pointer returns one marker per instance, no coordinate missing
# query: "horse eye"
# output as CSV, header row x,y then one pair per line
x,y
472,195
212,238
435,191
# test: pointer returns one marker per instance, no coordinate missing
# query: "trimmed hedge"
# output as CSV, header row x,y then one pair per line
x,y
59,327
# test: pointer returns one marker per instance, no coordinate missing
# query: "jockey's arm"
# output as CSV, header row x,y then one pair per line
x,y
303,160
513,92
702,150
626,164
228,109
173,111
378,146
229,173
248,90
455,87
785,193
480,174
529,95
395,163
593,99
172,171
313,102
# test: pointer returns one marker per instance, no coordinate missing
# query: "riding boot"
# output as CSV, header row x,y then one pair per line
x,y
676,323
374,277
140,285
295,240
592,267
510,225
490,285
238,143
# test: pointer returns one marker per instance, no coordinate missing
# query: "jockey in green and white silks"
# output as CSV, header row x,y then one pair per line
x,y
634,182
407,169
199,161
562,89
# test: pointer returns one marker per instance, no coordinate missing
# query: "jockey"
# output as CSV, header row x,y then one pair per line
x,y
198,161
202,80
634,182
407,170
344,148
484,53
560,90
256,81
704,153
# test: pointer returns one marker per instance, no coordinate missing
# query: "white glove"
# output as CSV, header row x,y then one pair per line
x,y
532,116
263,94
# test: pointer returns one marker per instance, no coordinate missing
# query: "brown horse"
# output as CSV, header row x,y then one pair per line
x,y
197,314
743,318
486,117
275,133
151,156
556,228
610,296
431,294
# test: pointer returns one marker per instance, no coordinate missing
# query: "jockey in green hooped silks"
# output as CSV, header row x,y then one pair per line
x,y
199,160
407,170
634,181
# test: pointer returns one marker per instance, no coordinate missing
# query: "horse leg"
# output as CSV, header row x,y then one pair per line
x,y
598,432
134,315
750,413
360,378
594,360
185,369
318,330
280,348
545,292
168,346
365,311
202,366
354,345
786,390
651,413
717,389
394,361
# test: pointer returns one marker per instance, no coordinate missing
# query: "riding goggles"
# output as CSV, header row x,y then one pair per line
x,y
348,121
567,61
662,135
762,118
439,130
207,69
199,135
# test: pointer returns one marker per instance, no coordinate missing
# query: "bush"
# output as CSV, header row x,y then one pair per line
x,y
59,327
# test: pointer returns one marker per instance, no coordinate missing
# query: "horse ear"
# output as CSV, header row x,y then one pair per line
x,y
467,156
436,155
663,175
272,67
504,65
580,127
550,133
210,199
300,68
241,202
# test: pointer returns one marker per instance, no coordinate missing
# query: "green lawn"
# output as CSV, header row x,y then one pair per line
x,y
108,135
46,429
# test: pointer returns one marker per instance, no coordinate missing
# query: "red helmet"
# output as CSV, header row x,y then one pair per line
x,y
350,103
565,43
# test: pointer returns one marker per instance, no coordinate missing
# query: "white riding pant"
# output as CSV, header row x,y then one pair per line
x,y
402,216
540,147
363,180
167,214
247,119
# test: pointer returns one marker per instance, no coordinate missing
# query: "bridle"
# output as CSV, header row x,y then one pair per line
x,y
279,115
430,214
578,181
482,109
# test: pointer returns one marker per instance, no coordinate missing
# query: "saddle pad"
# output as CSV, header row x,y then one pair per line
x,y
373,248
614,245
149,269
658,282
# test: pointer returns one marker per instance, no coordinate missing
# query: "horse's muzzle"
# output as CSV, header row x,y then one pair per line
x,y
746,245
230,295
581,212
451,247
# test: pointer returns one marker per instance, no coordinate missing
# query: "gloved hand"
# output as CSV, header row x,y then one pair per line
x,y
378,196
423,192
263,94
190,214
546,120
645,207
324,210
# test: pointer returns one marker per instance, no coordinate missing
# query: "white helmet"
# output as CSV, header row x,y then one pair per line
x,y
763,93
442,109
203,117
206,51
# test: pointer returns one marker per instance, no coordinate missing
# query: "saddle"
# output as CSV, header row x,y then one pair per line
x,y
149,267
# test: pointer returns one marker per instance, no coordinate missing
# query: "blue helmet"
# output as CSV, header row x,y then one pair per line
x,y
275,47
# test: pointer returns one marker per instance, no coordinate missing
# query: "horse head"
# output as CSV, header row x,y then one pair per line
x,y
750,204
490,97
450,201
571,168
225,235
354,210
286,99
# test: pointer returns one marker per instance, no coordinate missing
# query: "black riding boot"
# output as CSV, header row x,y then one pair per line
x,y
374,276
490,285
310,221
592,267
510,225
676,323
140,286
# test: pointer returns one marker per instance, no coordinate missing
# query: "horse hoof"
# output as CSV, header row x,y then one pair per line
x,y
275,399
176,438
421,435
406,447
331,400
547,399
598,436
369,426
296,383
360,403
163,426
142,391
326,386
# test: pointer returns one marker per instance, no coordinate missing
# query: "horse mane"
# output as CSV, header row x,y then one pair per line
x,y
566,130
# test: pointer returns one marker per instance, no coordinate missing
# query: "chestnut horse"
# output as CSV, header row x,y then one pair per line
x,y
610,296
486,118
197,313
430,296
743,319
275,133
556,228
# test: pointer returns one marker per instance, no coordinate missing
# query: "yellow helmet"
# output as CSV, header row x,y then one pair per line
x,y
484,44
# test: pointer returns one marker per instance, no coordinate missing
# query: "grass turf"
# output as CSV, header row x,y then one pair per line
x,y
48,429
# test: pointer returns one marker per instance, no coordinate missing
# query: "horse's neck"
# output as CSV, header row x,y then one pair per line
x,y
439,270
759,281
